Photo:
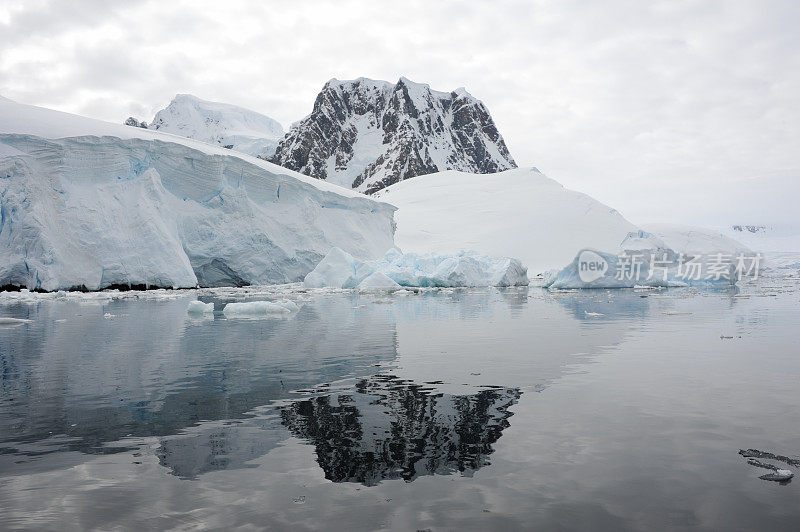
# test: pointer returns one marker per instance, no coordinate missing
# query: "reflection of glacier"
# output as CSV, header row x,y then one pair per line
x,y
387,428
151,370
207,389
220,445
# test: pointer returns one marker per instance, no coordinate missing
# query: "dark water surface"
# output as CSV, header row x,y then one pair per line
x,y
467,409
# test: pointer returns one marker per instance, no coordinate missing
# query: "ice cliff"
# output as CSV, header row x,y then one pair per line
x,y
89,204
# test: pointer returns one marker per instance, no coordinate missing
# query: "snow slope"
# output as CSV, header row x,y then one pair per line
x,y
779,244
91,204
769,238
518,213
368,134
219,123
691,240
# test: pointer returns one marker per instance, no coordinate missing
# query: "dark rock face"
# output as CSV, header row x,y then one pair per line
x,y
369,134
133,122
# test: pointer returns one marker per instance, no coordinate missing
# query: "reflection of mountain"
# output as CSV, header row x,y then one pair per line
x,y
388,428
75,379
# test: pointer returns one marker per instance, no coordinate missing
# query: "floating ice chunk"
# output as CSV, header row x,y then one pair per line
x,y
755,453
198,307
779,475
12,322
762,465
260,308
378,281
339,269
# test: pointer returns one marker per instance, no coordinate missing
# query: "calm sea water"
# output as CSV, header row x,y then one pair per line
x,y
467,409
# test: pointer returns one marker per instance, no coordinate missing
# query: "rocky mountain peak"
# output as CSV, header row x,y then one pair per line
x,y
369,134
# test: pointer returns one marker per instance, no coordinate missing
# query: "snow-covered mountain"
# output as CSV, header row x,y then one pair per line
x,y
784,238
367,135
227,125
85,203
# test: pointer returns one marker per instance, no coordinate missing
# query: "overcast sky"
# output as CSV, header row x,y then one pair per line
x,y
682,110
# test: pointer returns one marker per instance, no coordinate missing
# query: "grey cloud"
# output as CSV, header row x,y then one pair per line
x,y
624,100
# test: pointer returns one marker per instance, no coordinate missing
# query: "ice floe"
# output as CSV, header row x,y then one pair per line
x,y
466,269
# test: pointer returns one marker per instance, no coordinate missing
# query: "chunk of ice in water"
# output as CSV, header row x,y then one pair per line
x,y
260,308
198,307
778,475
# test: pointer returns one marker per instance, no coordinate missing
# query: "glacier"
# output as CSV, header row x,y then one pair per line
x,y
524,214
86,204
90,205
395,270
517,213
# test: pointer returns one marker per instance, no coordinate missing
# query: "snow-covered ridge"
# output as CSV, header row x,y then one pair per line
x,y
218,123
369,134
691,240
93,204
517,213
782,238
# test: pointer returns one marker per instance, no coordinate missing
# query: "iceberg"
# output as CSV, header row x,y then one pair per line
x,y
338,269
260,308
198,307
86,204
779,475
12,322
378,281
465,269
675,256
631,268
